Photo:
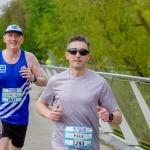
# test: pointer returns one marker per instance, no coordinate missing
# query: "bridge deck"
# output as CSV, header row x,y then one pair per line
x,y
39,130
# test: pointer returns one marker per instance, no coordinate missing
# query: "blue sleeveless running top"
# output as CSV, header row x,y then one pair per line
x,y
14,92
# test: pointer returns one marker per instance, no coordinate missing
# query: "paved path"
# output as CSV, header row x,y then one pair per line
x,y
39,129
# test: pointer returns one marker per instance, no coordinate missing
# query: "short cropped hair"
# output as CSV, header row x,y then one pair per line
x,y
80,38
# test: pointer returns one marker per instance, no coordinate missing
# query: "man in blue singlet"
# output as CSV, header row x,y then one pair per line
x,y
82,97
18,68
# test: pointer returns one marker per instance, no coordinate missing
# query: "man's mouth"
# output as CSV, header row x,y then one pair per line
x,y
77,60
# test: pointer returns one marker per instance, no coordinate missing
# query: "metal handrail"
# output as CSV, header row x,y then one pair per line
x,y
106,74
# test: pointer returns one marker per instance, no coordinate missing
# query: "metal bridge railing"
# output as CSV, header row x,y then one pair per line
x,y
133,96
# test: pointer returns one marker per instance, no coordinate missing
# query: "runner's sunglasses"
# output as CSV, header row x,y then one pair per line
x,y
74,51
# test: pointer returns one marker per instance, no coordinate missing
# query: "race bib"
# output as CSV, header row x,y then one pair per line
x,y
78,137
11,95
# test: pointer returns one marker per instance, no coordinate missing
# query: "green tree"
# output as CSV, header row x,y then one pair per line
x,y
117,30
126,35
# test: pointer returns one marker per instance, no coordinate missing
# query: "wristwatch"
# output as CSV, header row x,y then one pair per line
x,y
35,79
111,117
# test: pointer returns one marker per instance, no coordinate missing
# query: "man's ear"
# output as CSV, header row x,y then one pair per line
x,y
89,56
22,40
4,38
66,54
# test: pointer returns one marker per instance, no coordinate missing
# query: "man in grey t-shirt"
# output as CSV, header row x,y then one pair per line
x,y
81,97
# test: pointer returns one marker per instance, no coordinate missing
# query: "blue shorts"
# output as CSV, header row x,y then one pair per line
x,y
16,133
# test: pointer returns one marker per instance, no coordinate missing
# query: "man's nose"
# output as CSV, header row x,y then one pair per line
x,y
78,54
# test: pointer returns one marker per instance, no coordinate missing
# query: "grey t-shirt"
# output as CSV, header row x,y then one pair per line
x,y
78,97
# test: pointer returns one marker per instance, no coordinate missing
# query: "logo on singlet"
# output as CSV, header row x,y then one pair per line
x,y
2,68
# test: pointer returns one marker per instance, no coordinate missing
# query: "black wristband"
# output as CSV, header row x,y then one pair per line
x,y
111,117
35,79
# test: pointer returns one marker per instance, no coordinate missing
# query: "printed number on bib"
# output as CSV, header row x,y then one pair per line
x,y
78,137
11,95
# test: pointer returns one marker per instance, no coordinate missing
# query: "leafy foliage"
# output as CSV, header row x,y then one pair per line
x,y
119,31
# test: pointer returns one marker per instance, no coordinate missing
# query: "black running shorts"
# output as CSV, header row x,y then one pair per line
x,y
16,133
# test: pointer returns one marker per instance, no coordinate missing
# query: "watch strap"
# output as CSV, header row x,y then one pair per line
x,y
111,117
35,79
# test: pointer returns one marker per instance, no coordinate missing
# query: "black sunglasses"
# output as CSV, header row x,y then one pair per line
x,y
74,51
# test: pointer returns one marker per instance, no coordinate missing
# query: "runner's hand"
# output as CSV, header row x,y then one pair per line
x,y
103,114
56,113
26,73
